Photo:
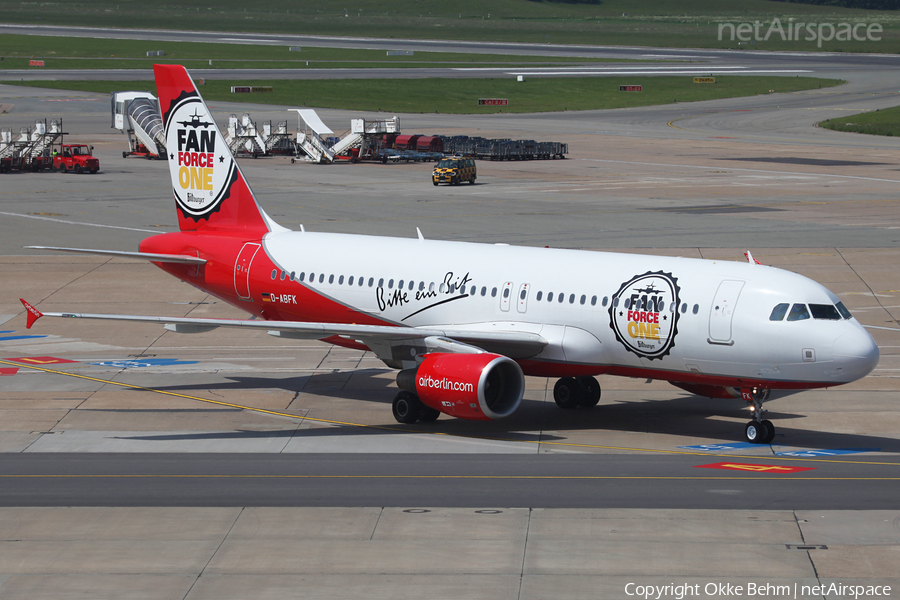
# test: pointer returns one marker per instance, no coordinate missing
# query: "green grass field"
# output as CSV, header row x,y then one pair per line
x,y
460,96
88,53
673,23
877,122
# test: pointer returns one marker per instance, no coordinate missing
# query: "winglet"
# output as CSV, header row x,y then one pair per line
x,y
750,258
33,313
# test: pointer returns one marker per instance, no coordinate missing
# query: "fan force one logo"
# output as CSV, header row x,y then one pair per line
x,y
202,168
644,314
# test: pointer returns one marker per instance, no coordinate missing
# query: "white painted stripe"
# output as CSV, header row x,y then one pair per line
x,y
9,214
629,162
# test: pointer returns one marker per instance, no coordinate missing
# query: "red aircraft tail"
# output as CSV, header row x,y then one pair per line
x,y
211,193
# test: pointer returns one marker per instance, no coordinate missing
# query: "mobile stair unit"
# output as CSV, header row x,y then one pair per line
x,y
243,138
310,130
137,116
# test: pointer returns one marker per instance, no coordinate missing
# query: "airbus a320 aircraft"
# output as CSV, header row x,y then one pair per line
x,y
464,322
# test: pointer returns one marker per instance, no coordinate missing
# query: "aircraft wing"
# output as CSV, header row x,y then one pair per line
x,y
518,344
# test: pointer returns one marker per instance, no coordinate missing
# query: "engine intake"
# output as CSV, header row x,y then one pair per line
x,y
477,387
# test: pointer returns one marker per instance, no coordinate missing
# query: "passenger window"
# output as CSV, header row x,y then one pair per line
x,y
412,284
778,312
627,302
472,290
493,292
312,278
331,279
399,285
483,290
431,287
274,273
522,295
422,286
391,284
696,309
843,310
549,296
506,292
350,281
539,295
825,311
292,275
561,297
798,313
341,280
605,301
616,302
380,282
593,300
371,281
583,299
684,308
361,279
302,275
283,274
571,298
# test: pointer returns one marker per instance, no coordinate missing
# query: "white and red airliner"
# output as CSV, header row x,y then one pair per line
x,y
464,322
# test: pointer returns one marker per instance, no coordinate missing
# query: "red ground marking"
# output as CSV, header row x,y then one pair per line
x,y
781,469
41,360
9,371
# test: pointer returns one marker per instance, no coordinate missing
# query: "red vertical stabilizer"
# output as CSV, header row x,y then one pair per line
x,y
211,193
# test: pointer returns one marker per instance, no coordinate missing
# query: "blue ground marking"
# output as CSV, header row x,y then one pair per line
x,y
834,452
19,337
720,447
144,362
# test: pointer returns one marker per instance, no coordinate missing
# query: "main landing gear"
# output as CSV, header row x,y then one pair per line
x,y
408,409
759,430
570,392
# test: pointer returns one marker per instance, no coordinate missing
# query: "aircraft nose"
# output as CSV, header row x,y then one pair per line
x,y
858,351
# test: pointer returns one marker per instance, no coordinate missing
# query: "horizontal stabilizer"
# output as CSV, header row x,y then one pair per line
x,y
164,258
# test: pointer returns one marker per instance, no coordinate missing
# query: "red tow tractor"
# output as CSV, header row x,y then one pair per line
x,y
75,157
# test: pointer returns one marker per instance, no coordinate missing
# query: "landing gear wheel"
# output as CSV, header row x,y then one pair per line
x,y
407,407
770,431
565,392
590,392
429,414
755,432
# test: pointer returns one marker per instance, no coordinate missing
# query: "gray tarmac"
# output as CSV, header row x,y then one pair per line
x,y
229,465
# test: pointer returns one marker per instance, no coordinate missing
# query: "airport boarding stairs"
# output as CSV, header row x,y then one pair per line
x,y
136,115
243,138
310,132
278,140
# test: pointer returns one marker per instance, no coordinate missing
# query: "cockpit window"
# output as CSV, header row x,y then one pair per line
x,y
778,312
825,311
798,312
843,310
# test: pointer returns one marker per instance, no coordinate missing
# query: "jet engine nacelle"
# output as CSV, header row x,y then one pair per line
x,y
477,387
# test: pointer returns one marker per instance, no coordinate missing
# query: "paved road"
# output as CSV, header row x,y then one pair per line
x,y
354,480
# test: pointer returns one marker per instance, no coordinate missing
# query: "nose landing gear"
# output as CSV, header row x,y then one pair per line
x,y
759,430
